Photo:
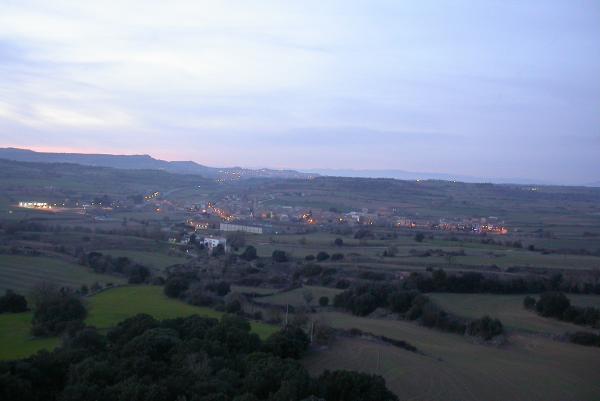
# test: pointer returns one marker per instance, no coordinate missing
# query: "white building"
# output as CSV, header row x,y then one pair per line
x,y
242,228
211,243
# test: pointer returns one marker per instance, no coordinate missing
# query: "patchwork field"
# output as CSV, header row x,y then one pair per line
x,y
509,309
154,260
296,297
22,273
106,309
528,368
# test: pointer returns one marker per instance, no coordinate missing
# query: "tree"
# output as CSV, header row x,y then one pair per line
x,y
324,301
322,256
12,302
353,386
308,296
57,312
236,239
291,342
419,237
529,302
337,256
279,256
338,242
249,254
176,286
552,304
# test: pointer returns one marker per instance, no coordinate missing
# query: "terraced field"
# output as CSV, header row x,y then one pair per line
x,y
22,273
528,368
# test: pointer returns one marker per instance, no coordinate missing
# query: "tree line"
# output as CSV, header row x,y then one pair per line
x,y
412,305
193,358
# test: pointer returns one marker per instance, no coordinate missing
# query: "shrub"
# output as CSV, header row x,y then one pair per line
x,y
279,256
321,256
529,302
12,302
324,301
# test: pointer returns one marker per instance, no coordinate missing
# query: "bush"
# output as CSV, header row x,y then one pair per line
x,y
353,386
419,237
291,342
324,301
279,256
12,302
552,304
249,254
337,256
176,286
583,338
321,256
338,242
486,328
57,312
529,302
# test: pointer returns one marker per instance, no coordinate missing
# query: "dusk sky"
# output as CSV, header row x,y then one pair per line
x,y
481,88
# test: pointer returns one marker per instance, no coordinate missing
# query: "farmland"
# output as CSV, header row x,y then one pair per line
x,y
106,309
509,309
22,273
529,367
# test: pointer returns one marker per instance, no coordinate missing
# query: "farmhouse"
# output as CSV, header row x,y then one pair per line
x,y
212,242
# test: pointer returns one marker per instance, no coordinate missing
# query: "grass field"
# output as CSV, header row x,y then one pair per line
x,y
296,297
528,368
106,309
154,260
22,273
509,309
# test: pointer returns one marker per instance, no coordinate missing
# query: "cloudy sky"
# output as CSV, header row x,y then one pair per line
x,y
486,88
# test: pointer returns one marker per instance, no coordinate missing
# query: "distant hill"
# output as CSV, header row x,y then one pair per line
x,y
411,175
146,162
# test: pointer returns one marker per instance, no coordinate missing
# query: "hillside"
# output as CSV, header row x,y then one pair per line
x,y
144,162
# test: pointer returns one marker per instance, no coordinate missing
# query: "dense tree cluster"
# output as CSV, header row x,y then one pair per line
x,y
188,287
558,306
194,359
471,282
56,312
135,272
410,304
584,338
12,302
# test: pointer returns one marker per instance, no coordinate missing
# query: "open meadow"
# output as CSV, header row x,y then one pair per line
x,y
105,310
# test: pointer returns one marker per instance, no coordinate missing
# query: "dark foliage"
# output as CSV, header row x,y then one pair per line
x,y
57,312
353,386
279,256
486,328
583,338
194,358
12,302
290,342
135,272
322,256
249,254
557,305
324,301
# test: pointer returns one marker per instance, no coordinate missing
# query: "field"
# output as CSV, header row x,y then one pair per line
x,y
528,368
106,309
22,273
296,297
509,309
154,260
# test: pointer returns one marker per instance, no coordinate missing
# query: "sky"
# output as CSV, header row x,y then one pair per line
x,y
480,88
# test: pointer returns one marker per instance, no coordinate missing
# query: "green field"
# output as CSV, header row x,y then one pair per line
x,y
295,297
154,260
527,368
106,309
22,273
509,309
